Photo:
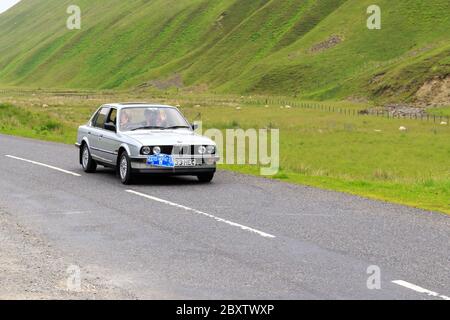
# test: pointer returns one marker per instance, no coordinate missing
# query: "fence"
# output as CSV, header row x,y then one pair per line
x,y
251,100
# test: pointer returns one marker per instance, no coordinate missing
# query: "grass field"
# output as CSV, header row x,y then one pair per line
x,y
363,155
229,46
442,111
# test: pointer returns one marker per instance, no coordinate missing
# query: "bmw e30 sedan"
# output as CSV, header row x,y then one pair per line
x,y
140,138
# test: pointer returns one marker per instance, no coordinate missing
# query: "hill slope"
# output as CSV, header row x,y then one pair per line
x,y
313,48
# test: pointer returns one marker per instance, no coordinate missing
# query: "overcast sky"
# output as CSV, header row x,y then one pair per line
x,y
6,4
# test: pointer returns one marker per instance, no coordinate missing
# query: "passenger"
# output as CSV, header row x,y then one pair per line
x,y
125,120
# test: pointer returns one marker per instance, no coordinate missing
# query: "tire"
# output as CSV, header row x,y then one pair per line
x,y
205,177
89,165
124,168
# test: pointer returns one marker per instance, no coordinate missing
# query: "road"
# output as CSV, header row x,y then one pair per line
x,y
240,237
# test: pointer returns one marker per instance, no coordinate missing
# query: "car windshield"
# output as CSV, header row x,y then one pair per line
x,y
142,118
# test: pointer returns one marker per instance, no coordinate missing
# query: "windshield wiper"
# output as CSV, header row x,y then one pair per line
x,y
147,127
177,127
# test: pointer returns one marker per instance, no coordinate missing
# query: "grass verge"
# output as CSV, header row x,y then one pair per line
x,y
361,155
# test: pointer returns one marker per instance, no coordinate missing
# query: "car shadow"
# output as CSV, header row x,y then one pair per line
x,y
152,179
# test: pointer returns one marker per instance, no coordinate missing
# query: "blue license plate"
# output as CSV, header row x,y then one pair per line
x,y
161,160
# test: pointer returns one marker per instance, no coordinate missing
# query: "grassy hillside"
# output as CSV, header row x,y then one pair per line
x,y
309,48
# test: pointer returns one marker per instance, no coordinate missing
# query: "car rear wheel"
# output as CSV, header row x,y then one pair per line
x,y
89,165
205,177
125,169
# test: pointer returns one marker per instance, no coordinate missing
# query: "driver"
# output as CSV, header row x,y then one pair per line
x,y
155,118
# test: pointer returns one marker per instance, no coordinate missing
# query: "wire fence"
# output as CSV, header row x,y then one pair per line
x,y
249,100
423,116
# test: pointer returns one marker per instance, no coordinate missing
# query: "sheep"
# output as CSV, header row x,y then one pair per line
x,y
402,128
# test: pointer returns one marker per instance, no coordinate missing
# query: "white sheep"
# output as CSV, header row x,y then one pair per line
x,y
402,128
443,123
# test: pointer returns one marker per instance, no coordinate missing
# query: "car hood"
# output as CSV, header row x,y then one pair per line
x,y
168,137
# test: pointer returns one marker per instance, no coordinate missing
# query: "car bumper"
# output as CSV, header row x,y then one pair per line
x,y
139,165
175,171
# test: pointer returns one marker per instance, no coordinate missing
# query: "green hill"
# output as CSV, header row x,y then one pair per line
x,y
316,49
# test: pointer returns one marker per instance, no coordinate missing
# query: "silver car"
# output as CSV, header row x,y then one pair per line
x,y
137,138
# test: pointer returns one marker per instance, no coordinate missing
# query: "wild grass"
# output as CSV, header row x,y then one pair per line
x,y
363,155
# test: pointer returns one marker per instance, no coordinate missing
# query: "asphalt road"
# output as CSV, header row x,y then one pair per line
x,y
239,237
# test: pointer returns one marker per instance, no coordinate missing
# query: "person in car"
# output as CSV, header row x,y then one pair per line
x,y
155,118
125,120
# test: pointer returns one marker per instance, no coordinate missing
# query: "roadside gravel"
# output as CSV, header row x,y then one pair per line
x,y
31,269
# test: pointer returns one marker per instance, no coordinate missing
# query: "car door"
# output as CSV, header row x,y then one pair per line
x,y
97,132
108,140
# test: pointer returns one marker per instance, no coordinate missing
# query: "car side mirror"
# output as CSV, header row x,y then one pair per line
x,y
110,127
194,126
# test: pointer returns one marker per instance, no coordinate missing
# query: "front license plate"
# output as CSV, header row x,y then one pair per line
x,y
161,160
185,163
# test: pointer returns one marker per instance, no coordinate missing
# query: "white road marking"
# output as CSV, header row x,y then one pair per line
x,y
44,165
69,213
419,289
234,224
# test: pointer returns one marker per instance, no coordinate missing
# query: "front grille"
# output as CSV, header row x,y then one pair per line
x,y
180,150
184,150
166,149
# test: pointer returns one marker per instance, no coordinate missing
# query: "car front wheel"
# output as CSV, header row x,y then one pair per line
x,y
125,169
89,165
205,177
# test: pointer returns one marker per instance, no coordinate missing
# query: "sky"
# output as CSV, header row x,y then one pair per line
x,y
6,4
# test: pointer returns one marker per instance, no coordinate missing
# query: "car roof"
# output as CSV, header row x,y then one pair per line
x,y
137,104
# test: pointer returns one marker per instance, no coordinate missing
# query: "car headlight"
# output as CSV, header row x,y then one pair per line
x,y
211,149
202,149
156,150
146,150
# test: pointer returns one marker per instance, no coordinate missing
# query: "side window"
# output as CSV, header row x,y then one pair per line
x,y
112,117
101,118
